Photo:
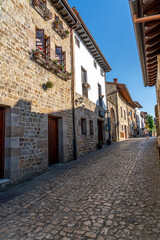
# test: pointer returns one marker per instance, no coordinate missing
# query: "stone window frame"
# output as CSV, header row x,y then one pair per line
x,y
83,126
45,41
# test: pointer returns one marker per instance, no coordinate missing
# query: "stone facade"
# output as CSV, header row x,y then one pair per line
x,y
88,111
120,102
157,112
27,105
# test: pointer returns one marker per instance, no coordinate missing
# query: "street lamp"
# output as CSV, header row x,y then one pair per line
x,y
109,124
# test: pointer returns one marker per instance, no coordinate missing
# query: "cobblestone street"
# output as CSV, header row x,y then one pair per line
x,y
113,193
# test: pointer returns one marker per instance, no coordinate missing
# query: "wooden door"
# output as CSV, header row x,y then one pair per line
x,y
2,142
100,131
125,130
53,143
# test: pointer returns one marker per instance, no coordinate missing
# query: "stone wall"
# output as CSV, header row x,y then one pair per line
x,y
122,121
27,105
158,102
89,111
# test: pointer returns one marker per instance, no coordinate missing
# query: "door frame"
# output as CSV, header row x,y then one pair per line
x,y
53,117
102,122
3,141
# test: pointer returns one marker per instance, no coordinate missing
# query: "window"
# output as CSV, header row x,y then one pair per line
x,y
95,64
60,56
122,127
42,41
99,93
91,127
84,80
102,73
83,126
77,42
121,113
124,114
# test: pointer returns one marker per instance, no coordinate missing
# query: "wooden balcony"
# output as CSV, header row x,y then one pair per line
x,y
41,7
52,65
58,27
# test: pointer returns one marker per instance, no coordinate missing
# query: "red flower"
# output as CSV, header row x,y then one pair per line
x,y
59,60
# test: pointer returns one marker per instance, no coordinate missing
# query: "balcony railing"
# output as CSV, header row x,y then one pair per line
x,y
40,6
51,65
60,29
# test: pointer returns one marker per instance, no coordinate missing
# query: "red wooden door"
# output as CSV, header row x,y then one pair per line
x,y
53,140
1,142
100,131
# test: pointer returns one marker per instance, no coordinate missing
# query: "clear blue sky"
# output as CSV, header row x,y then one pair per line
x,y
110,23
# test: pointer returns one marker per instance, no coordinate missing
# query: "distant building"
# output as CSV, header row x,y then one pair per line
x,y
122,111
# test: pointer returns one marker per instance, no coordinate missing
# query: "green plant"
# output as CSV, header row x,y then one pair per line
x,y
49,84
67,32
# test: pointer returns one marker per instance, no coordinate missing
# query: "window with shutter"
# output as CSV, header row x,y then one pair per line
x,y
58,54
47,46
99,93
84,80
40,39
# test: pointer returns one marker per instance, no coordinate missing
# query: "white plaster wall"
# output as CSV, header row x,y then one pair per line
x,y
138,113
84,59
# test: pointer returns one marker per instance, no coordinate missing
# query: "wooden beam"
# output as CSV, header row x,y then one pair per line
x,y
146,19
152,30
154,5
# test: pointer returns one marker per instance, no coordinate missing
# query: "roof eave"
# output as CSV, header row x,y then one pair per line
x,y
139,40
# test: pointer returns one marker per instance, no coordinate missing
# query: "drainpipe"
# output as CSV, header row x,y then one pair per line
x,y
73,95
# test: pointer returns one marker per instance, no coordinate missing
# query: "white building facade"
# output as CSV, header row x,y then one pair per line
x,y
90,90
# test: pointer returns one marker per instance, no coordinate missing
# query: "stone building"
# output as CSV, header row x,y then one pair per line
x,y
139,120
146,21
90,91
36,109
121,109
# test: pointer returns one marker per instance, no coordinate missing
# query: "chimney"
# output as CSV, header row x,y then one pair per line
x,y
115,80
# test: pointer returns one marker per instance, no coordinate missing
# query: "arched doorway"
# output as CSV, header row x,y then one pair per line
x,y
113,125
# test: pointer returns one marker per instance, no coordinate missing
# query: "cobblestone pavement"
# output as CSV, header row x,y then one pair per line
x,y
112,194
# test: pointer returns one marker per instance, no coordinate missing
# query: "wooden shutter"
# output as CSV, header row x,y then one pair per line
x,y
64,59
47,46
84,79
40,39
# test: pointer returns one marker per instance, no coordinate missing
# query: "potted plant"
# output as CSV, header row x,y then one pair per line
x,y
108,141
67,32
49,84
101,96
99,145
86,85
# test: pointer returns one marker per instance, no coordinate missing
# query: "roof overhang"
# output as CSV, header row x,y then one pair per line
x,y
86,37
66,12
148,37
123,90
138,105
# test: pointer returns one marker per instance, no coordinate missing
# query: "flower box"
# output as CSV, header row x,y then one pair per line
x,y
39,56
86,85
60,29
41,7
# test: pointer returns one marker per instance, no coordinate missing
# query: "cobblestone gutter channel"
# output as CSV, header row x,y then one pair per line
x,y
114,194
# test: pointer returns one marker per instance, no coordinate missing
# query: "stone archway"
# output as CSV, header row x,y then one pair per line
x,y
113,125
